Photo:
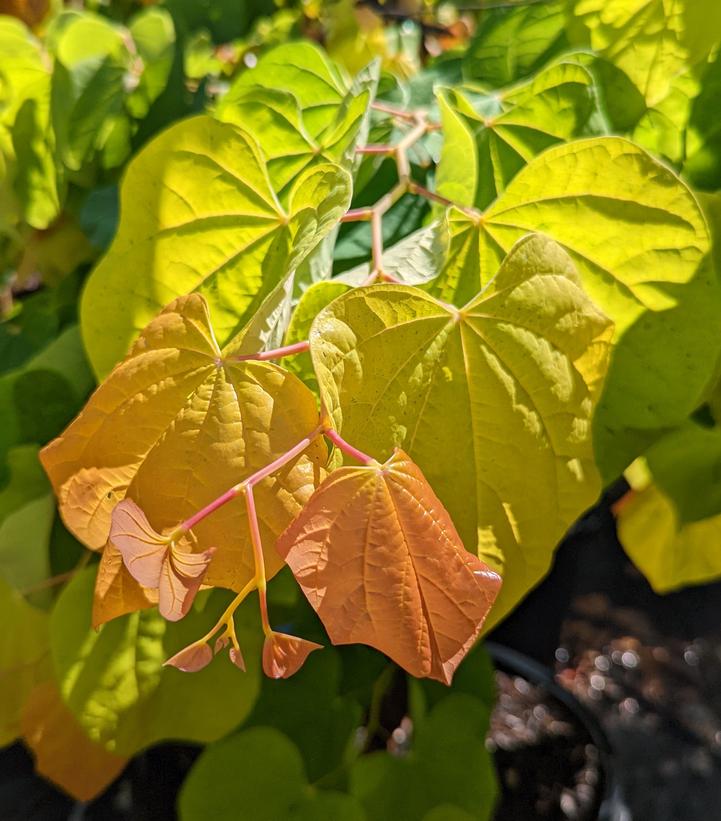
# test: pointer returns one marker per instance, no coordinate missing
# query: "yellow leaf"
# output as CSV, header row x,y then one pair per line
x,y
173,427
63,752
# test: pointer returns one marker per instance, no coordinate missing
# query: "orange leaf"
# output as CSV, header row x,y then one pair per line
x,y
116,591
63,753
158,562
191,658
284,655
176,424
380,561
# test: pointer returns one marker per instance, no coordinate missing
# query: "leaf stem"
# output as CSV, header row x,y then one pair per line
x,y
276,353
251,481
347,448
260,580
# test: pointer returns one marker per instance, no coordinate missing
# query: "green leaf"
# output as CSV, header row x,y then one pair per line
x,y
514,375
258,774
91,62
448,764
671,549
652,41
198,213
24,115
153,33
27,511
637,236
703,140
23,657
513,41
301,109
308,709
686,466
499,134
310,305
114,682
38,399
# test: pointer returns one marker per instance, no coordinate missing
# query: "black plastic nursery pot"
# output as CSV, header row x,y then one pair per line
x,y
552,756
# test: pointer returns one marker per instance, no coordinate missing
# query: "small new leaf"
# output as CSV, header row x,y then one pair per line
x,y
284,655
191,658
157,561
380,561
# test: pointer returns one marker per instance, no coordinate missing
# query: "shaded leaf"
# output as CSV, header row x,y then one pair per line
x,y
260,771
513,41
114,681
197,213
63,752
380,561
24,657
514,375
174,426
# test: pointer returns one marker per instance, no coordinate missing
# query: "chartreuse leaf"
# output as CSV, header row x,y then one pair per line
x,y
637,236
310,305
24,657
179,403
447,765
198,213
153,33
59,744
513,41
260,773
28,169
497,134
515,374
703,138
659,527
652,41
91,62
114,682
381,527
301,108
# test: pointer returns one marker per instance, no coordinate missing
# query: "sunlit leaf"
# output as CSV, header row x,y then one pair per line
x,y
173,427
380,561
284,655
114,682
167,565
637,236
652,41
497,134
153,33
471,395
302,110
63,752
198,213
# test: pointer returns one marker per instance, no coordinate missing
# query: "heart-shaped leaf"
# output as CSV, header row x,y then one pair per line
x,y
497,134
198,213
637,236
173,427
510,379
380,561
